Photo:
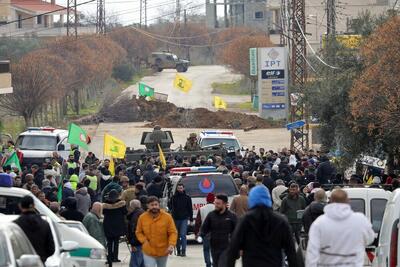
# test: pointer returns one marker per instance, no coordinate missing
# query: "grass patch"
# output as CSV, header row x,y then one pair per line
x,y
135,78
12,125
245,106
239,87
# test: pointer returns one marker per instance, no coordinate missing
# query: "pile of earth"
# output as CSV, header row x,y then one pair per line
x,y
168,115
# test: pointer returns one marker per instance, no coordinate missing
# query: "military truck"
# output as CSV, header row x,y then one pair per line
x,y
167,60
151,140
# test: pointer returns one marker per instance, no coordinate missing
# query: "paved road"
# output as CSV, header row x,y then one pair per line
x,y
194,257
200,94
131,134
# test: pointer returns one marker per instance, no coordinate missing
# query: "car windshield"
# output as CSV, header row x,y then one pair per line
x,y
4,259
228,143
37,142
377,210
201,185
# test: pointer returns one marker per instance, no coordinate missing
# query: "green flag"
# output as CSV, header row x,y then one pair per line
x,y
77,136
59,191
13,161
145,90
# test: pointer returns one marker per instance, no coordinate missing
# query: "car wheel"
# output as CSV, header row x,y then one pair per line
x,y
155,68
180,68
160,69
185,69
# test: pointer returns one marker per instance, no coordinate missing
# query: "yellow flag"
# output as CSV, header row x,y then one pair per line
x,y
162,157
111,168
219,103
114,147
182,83
370,179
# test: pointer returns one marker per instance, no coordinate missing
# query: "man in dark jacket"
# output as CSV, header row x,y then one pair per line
x,y
220,224
325,171
38,174
114,211
182,211
314,210
35,228
136,246
155,188
261,235
71,212
149,174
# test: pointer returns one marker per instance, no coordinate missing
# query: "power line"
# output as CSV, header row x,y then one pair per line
x,y
45,13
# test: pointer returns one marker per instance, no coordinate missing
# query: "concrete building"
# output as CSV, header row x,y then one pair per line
x,y
33,17
248,13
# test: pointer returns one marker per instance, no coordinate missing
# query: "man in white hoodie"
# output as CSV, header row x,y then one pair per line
x,y
339,237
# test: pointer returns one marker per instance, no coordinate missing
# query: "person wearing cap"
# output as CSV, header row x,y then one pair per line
x,y
114,211
191,143
35,228
261,235
200,218
276,194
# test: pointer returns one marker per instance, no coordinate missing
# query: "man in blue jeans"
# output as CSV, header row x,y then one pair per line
x,y
136,246
181,207
201,216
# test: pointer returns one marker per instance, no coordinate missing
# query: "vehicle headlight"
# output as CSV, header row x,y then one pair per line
x,y
98,253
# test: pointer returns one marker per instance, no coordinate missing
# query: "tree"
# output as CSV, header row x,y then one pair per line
x,y
375,97
236,54
35,82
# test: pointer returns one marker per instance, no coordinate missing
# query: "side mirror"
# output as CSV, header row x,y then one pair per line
x,y
67,246
61,147
29,261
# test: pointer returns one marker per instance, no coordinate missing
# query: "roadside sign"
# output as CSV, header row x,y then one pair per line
x,y
253,61
295,125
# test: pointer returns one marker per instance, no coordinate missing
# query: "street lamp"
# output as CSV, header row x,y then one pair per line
x,y
316,24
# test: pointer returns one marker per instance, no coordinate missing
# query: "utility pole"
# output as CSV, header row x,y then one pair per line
x,y
178,11
299,137
141,12
72,19
284,23
145,14
226,14
187,47
101,17
331,17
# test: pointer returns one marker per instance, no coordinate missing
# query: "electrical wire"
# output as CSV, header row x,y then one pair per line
x,y
311,48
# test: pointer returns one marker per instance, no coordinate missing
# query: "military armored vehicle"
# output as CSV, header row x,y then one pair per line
x,y
166,60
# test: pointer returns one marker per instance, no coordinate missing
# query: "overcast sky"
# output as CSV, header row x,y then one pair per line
x,y
127,11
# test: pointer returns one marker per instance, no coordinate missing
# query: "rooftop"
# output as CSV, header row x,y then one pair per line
x,y
38,6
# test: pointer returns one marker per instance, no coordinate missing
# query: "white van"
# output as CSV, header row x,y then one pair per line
x,y
387,252
89,253
198,185
372,203
38,144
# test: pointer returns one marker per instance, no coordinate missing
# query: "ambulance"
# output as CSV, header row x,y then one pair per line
x,y
198,182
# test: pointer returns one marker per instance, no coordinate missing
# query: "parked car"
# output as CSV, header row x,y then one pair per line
x,y
89,250
387,252
15,248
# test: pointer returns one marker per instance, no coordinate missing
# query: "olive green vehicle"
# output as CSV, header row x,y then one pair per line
x,y
166,60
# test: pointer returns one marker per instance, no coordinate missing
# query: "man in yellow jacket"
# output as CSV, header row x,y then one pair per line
x,y
157,232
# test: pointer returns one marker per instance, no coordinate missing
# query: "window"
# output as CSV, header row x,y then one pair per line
x,y
39,19
228,143
37,142
9,205
259,15
19,21
170,58
357,205
201,185
377,210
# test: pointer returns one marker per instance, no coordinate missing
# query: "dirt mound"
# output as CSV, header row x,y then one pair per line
x,y
167,114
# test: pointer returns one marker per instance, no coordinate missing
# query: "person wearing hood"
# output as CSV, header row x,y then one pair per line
x,y
339,237
67,190
155,188
71,212
325,171
314,210
182,211
113,185
93,224
114,211
262,235
36,229
83,200
136,247
239,203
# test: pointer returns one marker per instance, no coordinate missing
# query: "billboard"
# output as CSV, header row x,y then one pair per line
x,y
273,82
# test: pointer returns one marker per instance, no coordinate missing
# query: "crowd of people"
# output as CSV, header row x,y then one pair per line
x,y
259,223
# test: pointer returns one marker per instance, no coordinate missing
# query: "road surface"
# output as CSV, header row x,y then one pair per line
x,y
200,94
194,257
131,134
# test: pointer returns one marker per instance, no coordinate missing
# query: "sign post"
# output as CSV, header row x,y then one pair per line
x,y
253,61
